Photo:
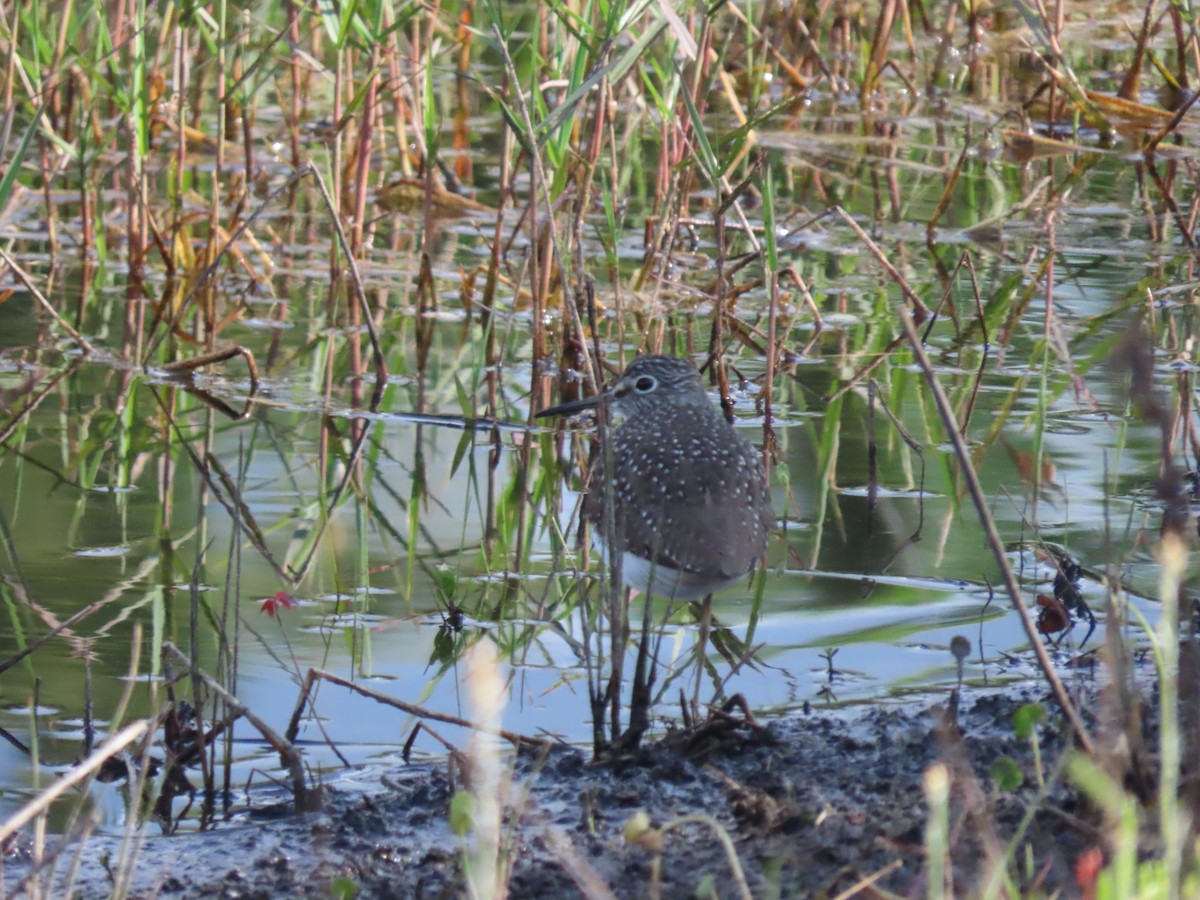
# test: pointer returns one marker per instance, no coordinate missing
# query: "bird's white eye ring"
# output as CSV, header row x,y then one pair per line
x,y
645,384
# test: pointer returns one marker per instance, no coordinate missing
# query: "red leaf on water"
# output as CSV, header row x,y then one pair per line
x,y
282,600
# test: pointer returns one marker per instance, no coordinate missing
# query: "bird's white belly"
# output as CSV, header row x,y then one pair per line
x,y
660,581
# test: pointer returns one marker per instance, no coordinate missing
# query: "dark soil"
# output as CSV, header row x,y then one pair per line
x,y
814,804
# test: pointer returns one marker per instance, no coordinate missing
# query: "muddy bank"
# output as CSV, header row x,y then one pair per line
x,y
813,804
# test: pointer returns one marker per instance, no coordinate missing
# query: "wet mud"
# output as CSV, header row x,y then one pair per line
x,y
814,805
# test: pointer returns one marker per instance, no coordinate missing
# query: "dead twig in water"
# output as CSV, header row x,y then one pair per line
x,y
188,366
313,674
39,804
288,754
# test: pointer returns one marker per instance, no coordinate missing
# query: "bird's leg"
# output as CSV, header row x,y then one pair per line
x,y
643,681
701,645
618,628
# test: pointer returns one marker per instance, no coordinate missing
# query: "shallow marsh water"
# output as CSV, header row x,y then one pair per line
x,y
100,499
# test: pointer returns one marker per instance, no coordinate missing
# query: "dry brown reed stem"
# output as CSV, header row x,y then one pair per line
x,y
362,158
41,803
23,277
971,477
772,354
947,196
413,710
866,370
913,444
1165,193
201,281
1067,80
766,43
540,186
790,273
288,754
918,305
381,373
292,31
1131,83
881,46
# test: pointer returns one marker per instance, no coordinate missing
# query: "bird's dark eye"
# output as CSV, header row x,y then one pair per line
x,y
645,384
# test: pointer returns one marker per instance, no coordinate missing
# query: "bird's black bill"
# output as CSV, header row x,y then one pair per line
x,y
569,409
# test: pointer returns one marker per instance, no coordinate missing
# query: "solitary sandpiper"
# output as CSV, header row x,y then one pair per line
x,y
690,508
